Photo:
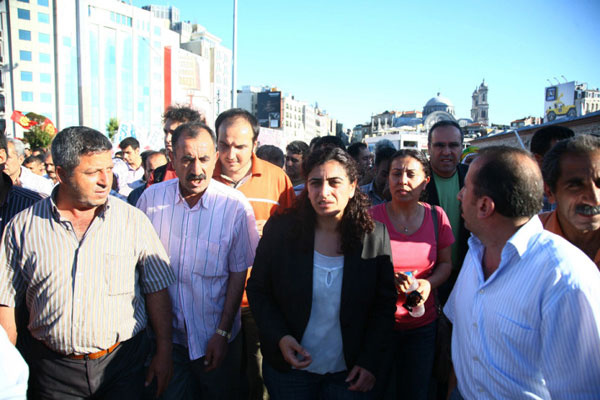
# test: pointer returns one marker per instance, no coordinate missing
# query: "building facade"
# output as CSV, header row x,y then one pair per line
x,y
480,107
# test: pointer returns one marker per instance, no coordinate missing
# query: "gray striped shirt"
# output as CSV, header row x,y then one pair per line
x,y
82,296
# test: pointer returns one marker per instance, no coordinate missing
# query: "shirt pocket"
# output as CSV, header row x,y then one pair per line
x,y
211,259
516,333
119,273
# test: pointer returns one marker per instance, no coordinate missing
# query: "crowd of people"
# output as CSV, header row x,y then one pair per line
x,y
218,269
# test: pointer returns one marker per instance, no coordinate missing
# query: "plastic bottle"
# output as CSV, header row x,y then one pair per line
x,y
419,310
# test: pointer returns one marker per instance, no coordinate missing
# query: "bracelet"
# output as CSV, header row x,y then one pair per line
x,y
223,333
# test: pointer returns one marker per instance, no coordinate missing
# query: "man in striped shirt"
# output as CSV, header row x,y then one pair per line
x,y
87,266
526,305
210,235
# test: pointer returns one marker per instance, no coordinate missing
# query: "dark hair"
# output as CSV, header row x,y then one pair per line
x,y
578,145
297,147
356,220
355,148
33,159
235,113
130,141
3,144
71,143
442,123
383,154
144,155
182,114
272,154
420,157
542,138
191,130
328,141
516,187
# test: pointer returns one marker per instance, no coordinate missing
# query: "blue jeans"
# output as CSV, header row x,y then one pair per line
x,y
302,385
411,356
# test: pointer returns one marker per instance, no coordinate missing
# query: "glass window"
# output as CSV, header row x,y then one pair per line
x,y
23,14
25,55
26,76
44,37
45,58
24,1
45,77
24,35
42,3
26,96
46,98
44,18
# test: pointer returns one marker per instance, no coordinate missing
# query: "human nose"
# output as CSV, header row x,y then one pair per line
x,y
105,178
593,195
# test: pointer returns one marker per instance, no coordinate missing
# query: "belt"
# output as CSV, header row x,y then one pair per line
x,y
94,356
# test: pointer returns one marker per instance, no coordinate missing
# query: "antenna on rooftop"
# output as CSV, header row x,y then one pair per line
x,y
549,82
557,81
562,76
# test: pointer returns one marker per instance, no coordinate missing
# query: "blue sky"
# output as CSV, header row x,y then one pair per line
x,y
358,58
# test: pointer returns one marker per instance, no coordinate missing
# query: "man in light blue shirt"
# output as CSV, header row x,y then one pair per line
x,y
526,305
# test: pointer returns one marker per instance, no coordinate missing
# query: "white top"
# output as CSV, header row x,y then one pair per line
x,y
34,182
323,335
205,244
13,370
532,329
128,178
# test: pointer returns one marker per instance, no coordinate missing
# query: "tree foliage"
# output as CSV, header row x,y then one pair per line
x,y
112,127
36,136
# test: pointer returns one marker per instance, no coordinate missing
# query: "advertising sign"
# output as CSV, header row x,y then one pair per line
x,y
268,109
560,101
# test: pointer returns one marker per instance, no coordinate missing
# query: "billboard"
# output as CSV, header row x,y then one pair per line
x,y
560,101
268,109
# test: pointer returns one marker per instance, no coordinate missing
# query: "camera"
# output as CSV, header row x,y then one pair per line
x,y
412,299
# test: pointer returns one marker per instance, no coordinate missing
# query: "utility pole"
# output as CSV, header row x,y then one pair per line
x,y
234,59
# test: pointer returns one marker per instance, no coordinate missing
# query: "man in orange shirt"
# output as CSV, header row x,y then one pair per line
x,y
571,172
268,189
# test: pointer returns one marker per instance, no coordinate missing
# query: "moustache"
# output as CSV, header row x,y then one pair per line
x,y
587,210
192,177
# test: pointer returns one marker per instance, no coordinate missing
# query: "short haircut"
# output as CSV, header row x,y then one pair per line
x,y
272,154
542,138
383,154
578,145
297,147
384,143
130,141
71,143
182,114
191,130
33,159
516,188
3,144
227,117
355,148
19,146
329,141
144,155
445,122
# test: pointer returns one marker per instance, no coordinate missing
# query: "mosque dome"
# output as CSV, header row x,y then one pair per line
x,y
438,103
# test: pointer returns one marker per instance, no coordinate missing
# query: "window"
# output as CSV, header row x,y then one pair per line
x,y
26,76
25,55
43,18
24,1
44,37
26,96
42,3
45,58
23,14
45,78
46,98
24,35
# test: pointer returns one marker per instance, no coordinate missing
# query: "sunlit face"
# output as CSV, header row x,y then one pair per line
x,y
330,189
407,179
194,162
90,182
577,194
152,162
236,144
37,167
468,199
293,165
132,156
49,164
13,162
445,150
168,129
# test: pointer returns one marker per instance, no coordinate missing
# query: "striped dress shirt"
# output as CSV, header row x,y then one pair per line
x,y
82,296
205,243
14,199
532,329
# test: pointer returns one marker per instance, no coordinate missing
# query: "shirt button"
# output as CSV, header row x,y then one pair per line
x,y
475,358
481,291
480,390
475,326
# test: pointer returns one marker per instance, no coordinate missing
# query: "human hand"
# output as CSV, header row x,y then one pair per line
x,y
216,349
291,350
403,281
424,288
161,368
361,379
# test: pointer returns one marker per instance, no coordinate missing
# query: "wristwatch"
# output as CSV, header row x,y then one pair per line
x,y
223,333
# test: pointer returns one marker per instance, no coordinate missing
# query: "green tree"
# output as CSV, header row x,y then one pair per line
x,y
36,136
112,127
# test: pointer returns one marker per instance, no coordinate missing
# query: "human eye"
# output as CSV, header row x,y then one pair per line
x,y
439,145
454,145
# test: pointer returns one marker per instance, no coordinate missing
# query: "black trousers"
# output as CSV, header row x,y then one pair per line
x,y
118,375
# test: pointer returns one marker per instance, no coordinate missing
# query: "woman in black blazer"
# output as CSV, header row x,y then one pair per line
x,y
322,288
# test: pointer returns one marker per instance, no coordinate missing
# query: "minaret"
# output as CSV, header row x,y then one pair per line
x,y
480,106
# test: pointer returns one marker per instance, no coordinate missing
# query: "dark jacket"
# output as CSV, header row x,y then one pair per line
x,y
280,294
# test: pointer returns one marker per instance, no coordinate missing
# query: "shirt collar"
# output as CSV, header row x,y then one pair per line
x,y
254,171
204,201
521,238
54,209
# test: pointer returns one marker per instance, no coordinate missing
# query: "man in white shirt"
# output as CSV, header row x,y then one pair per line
x,y
20,175
526,305
129,170
210,234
